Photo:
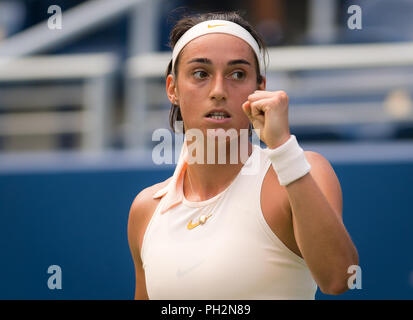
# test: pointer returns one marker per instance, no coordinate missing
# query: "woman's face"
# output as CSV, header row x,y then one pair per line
x,y
216,73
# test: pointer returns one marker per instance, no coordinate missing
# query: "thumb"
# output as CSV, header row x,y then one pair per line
x,y
246,107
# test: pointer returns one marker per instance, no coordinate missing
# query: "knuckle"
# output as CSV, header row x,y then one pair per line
x,y
283,95
280,97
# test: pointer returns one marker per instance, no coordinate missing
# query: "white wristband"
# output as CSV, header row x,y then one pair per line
x,y
288,161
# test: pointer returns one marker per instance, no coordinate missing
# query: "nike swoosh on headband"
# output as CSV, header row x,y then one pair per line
x,y
210,26
216,25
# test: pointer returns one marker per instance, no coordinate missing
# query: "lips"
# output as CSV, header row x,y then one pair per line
x,y
218,115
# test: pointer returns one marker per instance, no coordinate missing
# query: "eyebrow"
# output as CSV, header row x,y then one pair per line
x,y
239,61
208,61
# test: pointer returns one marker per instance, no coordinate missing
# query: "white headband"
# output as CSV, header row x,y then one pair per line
x,y
216,26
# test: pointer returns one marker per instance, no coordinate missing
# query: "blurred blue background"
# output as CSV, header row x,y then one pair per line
x,y
78,107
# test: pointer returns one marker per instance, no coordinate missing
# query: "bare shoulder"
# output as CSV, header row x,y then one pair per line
x,y
145,198
323,173
317,159
321,168
140,213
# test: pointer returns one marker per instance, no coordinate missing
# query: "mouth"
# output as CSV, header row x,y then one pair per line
x,y
218,115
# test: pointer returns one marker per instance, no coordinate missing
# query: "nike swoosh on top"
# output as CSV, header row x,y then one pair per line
x,y
191,225
215,25
181,273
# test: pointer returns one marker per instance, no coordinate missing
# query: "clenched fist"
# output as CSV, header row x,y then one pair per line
x,y
268,112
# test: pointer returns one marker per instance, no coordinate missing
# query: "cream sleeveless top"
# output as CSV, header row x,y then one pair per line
x,y
234,255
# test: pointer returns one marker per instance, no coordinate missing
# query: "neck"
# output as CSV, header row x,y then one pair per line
x,y
203,181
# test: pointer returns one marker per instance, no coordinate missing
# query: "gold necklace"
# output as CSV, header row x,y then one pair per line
x,y
202,219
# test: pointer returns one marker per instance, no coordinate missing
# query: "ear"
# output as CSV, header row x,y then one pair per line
x,y
263,84
171,89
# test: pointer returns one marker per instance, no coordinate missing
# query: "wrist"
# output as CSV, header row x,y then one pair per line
x,y
279,142
289,161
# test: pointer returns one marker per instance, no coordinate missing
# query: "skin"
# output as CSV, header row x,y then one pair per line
x,y
306,214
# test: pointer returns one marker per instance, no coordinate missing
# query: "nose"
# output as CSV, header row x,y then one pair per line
x,y
218,91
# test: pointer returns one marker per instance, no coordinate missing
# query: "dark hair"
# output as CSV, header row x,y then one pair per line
x,y
185,23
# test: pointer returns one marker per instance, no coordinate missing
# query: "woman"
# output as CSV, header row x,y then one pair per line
x,y
212,232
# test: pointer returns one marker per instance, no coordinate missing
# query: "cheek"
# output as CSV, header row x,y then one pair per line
x,y
245,120
190,110
191,100
240,97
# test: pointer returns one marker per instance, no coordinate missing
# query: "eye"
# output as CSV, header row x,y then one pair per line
x,y
238,75
200,74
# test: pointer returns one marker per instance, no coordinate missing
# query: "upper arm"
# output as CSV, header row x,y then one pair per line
x,y
136,215
323,174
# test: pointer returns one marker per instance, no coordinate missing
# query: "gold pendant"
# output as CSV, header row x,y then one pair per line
x,y
202,220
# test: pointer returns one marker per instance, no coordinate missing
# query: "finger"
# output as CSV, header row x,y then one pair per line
x,y
259,94
246,107
261,106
